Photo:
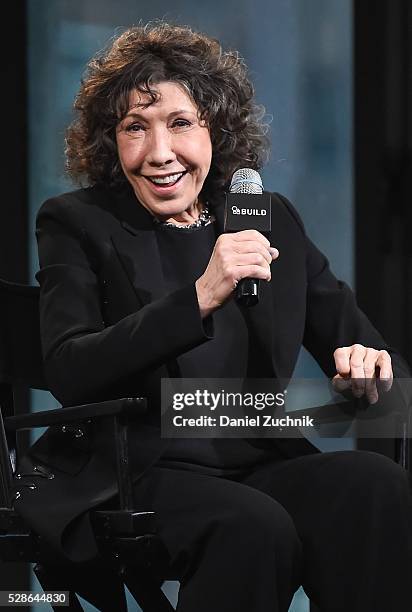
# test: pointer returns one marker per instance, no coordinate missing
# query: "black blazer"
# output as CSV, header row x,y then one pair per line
x,y
109,329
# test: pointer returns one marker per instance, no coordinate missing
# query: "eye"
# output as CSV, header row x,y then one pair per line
x,y
181,124
134,128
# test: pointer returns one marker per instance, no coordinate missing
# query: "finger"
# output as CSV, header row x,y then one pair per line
x,y
342,360
371,390
385,372
253,271
357,373
369,367
274,252
341,384
250,234
254,246
384,363
247,259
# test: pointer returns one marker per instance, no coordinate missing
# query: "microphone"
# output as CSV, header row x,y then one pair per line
x,y
247,207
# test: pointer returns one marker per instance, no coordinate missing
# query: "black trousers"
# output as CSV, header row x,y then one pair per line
x,y
339,523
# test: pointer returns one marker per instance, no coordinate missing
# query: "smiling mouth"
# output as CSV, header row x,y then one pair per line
x,y
166,181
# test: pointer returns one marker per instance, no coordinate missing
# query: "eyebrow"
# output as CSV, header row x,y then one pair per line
x,y
137,115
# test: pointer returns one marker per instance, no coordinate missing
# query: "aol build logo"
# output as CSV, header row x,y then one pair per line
x,y
257,212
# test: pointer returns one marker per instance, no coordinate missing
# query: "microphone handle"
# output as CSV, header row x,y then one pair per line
x,y
247,292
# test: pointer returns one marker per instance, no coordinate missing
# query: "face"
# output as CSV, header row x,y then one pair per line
x,y
165,152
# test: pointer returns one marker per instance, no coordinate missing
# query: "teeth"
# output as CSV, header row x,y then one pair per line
x,y
165,180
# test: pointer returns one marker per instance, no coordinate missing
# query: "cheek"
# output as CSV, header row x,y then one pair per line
x,y
198,151
207,148
203,156
128,154
126,162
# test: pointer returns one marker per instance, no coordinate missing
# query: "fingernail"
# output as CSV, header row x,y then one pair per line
x,y
274,252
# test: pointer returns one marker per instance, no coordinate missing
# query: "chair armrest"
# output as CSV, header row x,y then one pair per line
x,y
328,413
132,406
390,405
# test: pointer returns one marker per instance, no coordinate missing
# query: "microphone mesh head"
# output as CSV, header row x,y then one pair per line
x,y
246,180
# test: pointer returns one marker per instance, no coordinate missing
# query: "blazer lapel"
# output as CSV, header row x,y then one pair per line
x,y
135,242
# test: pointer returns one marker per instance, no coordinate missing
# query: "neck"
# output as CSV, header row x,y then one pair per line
x,y
187,217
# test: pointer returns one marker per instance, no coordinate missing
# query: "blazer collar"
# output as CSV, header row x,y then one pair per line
x,y
135,242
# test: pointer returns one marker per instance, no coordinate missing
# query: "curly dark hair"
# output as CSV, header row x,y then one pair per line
x,y
142,56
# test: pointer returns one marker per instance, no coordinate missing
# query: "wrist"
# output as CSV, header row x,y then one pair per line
x,y
203,298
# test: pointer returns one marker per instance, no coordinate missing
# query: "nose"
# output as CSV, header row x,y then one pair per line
x,y
160,150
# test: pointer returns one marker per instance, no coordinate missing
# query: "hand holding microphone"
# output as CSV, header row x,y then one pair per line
x,y
238,256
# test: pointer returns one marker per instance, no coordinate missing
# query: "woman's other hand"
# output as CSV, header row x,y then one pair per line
x,y
246,254
359,368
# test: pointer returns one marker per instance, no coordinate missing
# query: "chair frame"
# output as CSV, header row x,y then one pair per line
x,y
131,553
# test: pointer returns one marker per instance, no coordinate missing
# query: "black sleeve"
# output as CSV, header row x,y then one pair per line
x,y
83,358
333,318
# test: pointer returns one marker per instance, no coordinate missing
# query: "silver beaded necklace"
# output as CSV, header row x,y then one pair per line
x,y
205,218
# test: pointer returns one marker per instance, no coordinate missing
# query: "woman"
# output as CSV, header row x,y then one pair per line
x,y
137,282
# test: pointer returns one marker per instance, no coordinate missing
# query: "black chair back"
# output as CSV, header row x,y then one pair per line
x,y
20,346
21,366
